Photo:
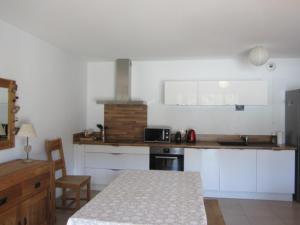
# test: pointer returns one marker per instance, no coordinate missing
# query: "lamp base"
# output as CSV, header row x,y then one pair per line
x,y
27,149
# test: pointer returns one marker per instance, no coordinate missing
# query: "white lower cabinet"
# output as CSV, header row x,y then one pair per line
x,y
104,163
238,170
275,171
205,161
101,177
252,174
120,161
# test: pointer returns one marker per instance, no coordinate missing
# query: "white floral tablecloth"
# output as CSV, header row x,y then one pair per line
x,y
146,198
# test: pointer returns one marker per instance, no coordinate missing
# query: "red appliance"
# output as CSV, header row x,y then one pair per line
x,y
191,136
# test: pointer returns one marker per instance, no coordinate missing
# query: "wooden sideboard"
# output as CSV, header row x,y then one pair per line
x,y
26,193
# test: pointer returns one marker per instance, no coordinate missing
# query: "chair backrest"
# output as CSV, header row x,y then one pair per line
x,y
52,146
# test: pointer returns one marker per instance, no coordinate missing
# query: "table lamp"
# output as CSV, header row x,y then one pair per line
x,y
27,130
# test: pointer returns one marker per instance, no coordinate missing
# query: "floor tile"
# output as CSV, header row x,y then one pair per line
x,y
236,220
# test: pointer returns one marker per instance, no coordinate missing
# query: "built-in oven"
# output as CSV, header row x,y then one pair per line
x,y
166,158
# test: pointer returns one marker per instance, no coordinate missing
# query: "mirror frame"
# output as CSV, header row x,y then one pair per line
x,y
12,87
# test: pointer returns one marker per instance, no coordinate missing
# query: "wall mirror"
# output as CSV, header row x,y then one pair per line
x,y
8,109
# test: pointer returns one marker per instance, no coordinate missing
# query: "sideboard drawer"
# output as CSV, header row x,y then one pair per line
x,y
10,197
36,184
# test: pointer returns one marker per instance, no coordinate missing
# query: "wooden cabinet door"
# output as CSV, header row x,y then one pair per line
x,y
10,217
36,210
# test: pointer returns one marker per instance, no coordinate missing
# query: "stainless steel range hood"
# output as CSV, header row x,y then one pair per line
x,y
122,85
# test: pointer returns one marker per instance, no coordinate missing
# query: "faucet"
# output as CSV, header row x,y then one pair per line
x,y
244,139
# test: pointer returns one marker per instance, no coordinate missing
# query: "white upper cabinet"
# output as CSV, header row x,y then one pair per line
x,y
214,93
181,92
232,93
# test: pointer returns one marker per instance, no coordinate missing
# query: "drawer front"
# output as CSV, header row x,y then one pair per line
x,y
102,176
116,161
10,197
36,184
117,149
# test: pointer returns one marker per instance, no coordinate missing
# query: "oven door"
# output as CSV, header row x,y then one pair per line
x,y
166,162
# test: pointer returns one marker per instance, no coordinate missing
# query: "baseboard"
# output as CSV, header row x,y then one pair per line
x,y
242,195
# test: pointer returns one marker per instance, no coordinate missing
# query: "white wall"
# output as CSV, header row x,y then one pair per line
x,y
51,87
147,84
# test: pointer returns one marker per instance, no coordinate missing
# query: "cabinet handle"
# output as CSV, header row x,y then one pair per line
x,y
166,157
37,185
115,169
3,200
25,221
116,153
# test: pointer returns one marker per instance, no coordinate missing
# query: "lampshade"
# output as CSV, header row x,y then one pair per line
x,y
2,131
27,130
259,56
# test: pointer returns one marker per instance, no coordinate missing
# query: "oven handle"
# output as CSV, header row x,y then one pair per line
x,y
166,157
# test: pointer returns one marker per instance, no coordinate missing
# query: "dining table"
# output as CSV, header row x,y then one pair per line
x,y
151,197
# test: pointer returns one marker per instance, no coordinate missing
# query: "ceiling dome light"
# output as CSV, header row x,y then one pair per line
x,y
258,56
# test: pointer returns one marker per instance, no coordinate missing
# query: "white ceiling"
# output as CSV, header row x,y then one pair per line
x,y
152,29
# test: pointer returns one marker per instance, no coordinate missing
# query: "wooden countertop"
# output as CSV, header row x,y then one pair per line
x,y
200,145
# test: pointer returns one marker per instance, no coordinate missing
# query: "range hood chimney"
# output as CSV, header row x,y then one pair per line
x,y
122,85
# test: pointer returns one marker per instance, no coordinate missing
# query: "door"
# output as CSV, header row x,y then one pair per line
x,y
275,171
238,170
206,162
36,210
10,217
181,92
166,162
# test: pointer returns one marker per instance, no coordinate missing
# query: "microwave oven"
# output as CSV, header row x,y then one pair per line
x,y
157,134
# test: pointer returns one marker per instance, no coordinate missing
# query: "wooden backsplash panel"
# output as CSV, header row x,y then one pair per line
x,y
125,122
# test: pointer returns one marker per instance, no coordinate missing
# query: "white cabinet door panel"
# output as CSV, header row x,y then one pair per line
x,y
232,93
275,171
101,176
238,170
181,92
116,161
205,161
216,93
116,149
78,159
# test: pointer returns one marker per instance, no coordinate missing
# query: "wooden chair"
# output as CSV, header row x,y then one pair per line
x,y
67,182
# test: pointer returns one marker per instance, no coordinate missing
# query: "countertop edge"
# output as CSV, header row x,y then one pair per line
x,y
202,145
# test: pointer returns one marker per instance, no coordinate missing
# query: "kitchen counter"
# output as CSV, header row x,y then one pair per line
x,y
199,145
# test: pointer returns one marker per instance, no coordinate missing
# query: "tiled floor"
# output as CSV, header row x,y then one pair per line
x,y
243,212
257,212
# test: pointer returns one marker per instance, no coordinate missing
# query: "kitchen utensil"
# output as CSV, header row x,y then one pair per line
x,y
178,137
191,136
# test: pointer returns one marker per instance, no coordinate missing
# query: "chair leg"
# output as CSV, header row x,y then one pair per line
x,y
78,199
63,197
88,191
